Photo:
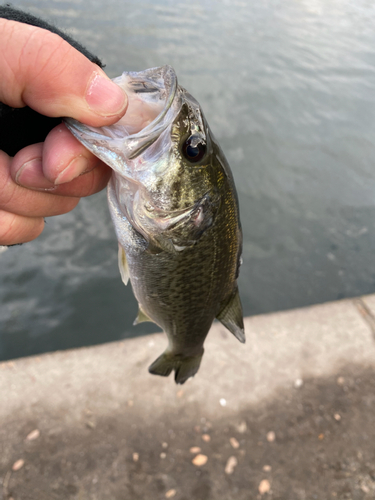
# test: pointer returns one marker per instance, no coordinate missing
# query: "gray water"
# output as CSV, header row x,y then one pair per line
x,y
288,89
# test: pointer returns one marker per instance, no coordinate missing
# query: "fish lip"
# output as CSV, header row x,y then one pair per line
x,y
79,130
167,71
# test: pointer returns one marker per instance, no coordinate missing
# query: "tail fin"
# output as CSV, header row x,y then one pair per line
x,y
184,366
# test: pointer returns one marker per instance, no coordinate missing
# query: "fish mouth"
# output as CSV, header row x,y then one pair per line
x,y
153,103
147,84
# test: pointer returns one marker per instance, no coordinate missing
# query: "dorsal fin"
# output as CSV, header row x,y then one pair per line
x,y
232,318
123,265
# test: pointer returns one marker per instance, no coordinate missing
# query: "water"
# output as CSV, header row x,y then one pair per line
x,y
288,89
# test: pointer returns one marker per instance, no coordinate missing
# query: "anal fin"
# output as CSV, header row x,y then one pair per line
x,y
142,317
231,317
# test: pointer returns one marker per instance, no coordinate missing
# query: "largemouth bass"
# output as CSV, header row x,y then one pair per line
x,y
175,210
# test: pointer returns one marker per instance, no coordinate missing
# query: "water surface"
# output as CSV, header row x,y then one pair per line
x,y
288,89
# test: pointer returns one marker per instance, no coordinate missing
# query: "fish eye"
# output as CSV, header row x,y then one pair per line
x,y
193,153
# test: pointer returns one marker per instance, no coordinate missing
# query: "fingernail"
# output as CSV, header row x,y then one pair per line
x,y
75,168
105,97
30,175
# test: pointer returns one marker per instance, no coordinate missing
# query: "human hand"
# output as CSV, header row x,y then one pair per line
x,y
41,70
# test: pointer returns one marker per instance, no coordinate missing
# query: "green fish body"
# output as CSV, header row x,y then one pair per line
x,y
174,206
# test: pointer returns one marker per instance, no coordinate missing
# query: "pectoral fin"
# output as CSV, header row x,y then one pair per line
x,y
232,318
123,265
141,317
159,244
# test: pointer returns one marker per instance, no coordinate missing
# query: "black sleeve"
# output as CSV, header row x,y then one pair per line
x,y
20,127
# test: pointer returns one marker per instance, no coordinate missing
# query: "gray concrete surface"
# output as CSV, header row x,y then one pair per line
x,y
289,415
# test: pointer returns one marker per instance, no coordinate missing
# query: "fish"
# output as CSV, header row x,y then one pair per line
x,y
175,209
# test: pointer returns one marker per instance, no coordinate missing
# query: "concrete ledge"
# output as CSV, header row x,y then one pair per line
x,y
290,415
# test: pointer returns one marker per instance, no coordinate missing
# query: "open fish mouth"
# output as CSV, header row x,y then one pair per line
x,y
143,146
153,103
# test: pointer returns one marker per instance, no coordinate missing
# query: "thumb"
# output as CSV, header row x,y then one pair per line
x,y
41,70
